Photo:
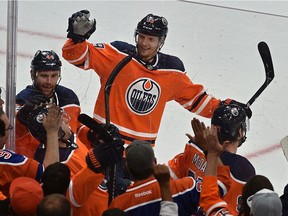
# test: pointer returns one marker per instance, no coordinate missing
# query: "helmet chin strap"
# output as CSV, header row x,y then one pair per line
x,y
69,142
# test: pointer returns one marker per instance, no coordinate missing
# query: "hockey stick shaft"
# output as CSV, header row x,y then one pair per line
x,y
95,127
284,146
269,70
108,85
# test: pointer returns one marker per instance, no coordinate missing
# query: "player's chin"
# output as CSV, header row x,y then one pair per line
x,y
47,91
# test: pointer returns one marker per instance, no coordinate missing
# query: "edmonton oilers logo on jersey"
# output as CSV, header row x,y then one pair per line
x,y
142,96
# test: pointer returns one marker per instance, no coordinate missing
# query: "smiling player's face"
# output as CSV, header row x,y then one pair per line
x,y
147,46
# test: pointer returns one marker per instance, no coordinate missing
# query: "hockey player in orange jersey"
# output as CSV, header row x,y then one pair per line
x,y
259,194
143,87
46,75
232,124
74,155
14,165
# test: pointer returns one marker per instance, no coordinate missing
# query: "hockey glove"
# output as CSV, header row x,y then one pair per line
x,y
244,106
105,155
35,101
97,137
80,27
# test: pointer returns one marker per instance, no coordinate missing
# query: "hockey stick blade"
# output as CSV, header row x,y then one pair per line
x,y
95,126
284,146
269,70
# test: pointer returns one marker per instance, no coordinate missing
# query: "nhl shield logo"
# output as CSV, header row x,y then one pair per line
x,y
39,118
142,96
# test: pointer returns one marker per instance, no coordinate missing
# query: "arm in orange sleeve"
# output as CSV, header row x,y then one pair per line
x,y
224,180
73,112
82,186
82,136
75,53
194,98
210,200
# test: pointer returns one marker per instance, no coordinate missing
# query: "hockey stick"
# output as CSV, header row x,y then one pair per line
x,y
108,85
269,71
284,146
95,127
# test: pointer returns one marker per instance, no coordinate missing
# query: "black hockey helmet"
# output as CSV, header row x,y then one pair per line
x,y
35,124
230,118
153,25
44,61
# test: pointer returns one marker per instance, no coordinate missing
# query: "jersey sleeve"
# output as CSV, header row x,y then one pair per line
x,y
210,200
194,98
14,165
175,167
82,186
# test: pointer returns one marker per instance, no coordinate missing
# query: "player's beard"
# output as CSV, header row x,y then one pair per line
x,y
46,89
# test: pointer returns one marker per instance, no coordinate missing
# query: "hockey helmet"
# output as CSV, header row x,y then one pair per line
x,y
229,119
153,25
45,61
35,124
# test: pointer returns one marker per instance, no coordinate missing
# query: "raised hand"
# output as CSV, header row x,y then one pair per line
x,y
212,143
53,120
80,27
105,155
198,128
161,173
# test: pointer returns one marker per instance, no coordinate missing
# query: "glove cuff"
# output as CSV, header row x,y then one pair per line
x,y
93,163
76,38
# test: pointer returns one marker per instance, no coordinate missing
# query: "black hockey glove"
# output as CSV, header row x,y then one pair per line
x,y
244,106
80,27
30,105
103,135
105,155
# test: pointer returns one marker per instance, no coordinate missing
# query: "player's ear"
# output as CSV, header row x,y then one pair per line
x,y
32,75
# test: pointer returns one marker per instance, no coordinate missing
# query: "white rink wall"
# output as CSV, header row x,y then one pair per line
x,y
218,46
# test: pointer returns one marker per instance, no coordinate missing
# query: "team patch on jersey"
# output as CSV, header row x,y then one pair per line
x,y
142,96
99,45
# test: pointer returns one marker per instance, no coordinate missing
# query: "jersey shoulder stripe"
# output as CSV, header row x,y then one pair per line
x,y
8,157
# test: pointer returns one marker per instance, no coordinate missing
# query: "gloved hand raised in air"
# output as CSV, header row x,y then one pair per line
x,y
244,106
105,155
80,27
35,101
103,134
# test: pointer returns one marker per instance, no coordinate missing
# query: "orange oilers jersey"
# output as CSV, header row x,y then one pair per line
x,y
73,156
192,162
241,170
85,195
231,177
13,165
64,97
82,193
144,197
139,92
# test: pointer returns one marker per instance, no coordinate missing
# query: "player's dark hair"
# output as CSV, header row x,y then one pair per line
x,y
54,205
114,212
141,175
255,184
56,179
